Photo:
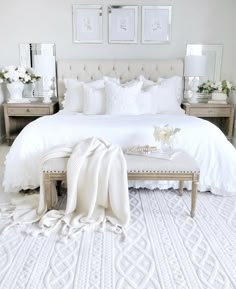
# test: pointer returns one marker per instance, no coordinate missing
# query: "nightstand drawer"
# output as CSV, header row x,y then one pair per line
x,y
28,111
210,111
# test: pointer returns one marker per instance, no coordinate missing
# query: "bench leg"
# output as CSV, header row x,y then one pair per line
x,y
181,187
47,190
194,195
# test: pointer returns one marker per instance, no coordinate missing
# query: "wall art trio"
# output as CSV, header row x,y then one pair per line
x,y
123,24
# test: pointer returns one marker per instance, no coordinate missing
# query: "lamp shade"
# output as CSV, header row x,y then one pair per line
x,y
195,65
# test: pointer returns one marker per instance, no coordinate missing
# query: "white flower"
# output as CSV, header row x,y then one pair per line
x,y
228,84
13,73
26,78
164,133
1,81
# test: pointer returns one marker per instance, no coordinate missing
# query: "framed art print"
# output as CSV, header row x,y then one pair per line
x,y
156,24
123,24
87,23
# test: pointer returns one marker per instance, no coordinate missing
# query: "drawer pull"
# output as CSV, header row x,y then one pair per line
x,y
27,110
210,110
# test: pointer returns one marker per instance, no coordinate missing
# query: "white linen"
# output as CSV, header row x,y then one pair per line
x,y
205,142
97,187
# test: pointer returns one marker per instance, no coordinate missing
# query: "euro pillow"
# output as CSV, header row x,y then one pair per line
x,y
147,82
176,82
164,100
74,95
158,99
94,100
122,99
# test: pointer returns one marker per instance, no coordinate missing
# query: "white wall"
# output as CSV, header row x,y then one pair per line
x,y
50,21
233,95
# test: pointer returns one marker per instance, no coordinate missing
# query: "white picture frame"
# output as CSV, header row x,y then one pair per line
x,y
123,24
156,24
213,54
87,24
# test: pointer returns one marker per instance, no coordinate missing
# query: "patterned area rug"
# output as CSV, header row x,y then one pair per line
x,y
165,248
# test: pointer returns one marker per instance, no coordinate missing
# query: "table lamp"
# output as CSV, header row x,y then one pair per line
x,y
194,68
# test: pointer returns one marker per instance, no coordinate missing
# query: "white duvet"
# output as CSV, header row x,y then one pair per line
x,y
201,139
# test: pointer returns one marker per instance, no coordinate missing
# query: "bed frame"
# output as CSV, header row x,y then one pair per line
x,y
125,69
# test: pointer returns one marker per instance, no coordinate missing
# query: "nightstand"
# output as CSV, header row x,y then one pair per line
x,y
18,115
221,115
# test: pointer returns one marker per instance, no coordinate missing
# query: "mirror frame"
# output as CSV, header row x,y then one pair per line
x,y
214,51
46,69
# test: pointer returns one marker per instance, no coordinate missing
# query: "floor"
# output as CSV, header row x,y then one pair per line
x,y
3,151
165,249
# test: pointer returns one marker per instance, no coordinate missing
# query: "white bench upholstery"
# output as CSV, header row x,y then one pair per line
x,y
182,168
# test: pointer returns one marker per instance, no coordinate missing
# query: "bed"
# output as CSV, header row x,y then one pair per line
x,y
205,142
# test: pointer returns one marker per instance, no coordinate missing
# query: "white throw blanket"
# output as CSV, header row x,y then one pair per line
x,y
97,191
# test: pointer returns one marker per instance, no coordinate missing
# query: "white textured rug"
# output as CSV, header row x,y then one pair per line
x,y
165,249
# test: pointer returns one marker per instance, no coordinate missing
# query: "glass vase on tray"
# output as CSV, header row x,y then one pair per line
x,y
165,136
166,146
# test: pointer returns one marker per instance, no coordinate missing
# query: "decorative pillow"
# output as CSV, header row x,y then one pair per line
x,y
94,100
164,99
176,82
146,82
75,93
144,103
158,99
122,99
108,78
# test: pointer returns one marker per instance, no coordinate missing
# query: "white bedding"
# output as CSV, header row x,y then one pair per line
x,y
201,139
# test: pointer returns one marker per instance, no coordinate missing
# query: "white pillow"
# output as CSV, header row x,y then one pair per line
x,y
75,93
176,82
144,103
147,82
158,99
122,99
164,99
108,78
94,100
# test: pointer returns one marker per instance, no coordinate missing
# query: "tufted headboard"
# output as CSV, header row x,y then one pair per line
x,y
125,69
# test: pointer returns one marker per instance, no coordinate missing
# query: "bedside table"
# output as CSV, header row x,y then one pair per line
x,y
221,115
18,115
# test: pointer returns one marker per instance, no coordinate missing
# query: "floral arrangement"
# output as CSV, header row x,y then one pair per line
x,y
223,86
164,134
13,73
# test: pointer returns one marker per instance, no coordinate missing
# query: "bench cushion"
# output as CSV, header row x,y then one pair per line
x,y
181,163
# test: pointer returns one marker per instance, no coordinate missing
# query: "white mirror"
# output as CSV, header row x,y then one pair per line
x,y
41,58
213,53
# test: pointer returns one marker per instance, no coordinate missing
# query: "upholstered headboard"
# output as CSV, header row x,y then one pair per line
x,y
125,69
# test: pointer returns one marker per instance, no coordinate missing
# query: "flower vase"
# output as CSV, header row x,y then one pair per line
x,y
166,146
15,90
219,96
29,90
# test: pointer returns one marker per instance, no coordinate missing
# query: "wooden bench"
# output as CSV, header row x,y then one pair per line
x,y
181,168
